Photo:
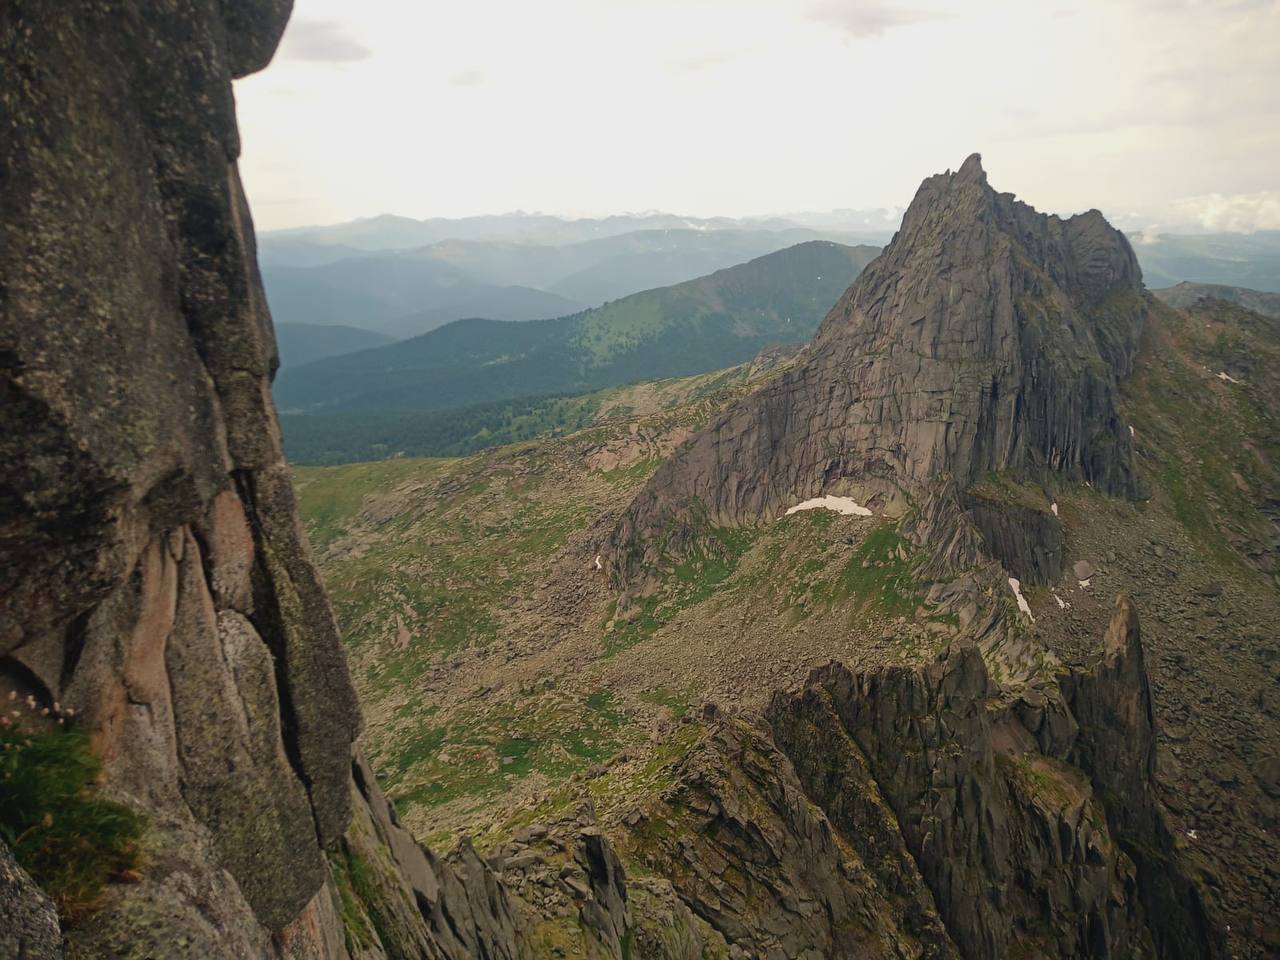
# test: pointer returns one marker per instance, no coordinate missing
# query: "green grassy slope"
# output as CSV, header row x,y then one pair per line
x,y
1188,294
704,324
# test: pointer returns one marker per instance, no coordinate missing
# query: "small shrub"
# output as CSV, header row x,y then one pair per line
x,y
62,830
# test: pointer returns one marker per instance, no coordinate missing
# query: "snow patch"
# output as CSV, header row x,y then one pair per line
x,y
599,562
845,505
1084,584
1223,375
1062,604
1054,508
1016,586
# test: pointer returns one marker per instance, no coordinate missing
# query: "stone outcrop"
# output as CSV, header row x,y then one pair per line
x,y
1027,845
28,921
1116,747
923,813
756,859
406,901
153,574
986,338
913,812
1022,534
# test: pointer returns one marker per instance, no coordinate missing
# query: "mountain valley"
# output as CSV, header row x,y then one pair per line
x,y
693,327
466,584
658,588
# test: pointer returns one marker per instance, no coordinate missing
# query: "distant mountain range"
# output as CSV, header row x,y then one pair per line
x,y
298,246
403,277
1235,259
300,343
405,292
595,271
399,296
703,324
1186,295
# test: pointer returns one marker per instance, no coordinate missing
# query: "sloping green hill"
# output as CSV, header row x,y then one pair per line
x,y
398,296
704,324
301,343
1239,259
1187,294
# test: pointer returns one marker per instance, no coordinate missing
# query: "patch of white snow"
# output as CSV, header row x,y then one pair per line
x,y
845,505
1084,584
599,563
1016,586
1054,508
1223,375
1062,604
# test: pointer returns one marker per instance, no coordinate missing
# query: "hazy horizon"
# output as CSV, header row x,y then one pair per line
x,y
1161,113
886,226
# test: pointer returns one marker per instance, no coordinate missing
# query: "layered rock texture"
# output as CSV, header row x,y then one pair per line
x,y
154,576
986,338
1033,823
916,813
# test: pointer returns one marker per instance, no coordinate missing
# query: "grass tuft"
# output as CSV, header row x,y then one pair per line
x,y
62,830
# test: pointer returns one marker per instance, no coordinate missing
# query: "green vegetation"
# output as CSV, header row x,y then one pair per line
x,y
693,327
800,567
1209,446
690,582
331,499
351,879
675,701
340,438
427,577
621,786
879,575
378,435
549,732
62,830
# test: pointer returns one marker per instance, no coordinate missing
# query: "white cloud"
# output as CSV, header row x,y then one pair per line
x,y
468,78
1231,213
321,41
870,18
744,107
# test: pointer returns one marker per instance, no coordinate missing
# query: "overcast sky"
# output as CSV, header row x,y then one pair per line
x,y
1162,113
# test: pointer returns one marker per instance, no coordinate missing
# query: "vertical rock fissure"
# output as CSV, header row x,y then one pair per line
x,y
266,619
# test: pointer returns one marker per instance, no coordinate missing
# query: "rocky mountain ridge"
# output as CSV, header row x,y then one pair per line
x,y
987,338
159,587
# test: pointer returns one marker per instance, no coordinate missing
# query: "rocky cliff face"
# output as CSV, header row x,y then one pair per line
x,y
986,338
155,579
1027,845
915,813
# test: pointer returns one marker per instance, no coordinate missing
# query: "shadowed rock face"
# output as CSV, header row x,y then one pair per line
x,y
917,812
158,579
1033,826
987,337
153,573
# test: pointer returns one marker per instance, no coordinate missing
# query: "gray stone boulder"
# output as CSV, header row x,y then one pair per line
x,y
28,921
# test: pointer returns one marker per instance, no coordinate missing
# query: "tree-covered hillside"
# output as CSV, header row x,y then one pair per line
x,y
704,324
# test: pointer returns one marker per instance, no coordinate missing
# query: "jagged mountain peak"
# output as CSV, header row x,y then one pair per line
x,y
986,338
957,221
